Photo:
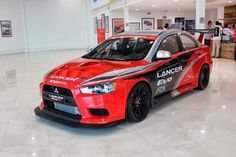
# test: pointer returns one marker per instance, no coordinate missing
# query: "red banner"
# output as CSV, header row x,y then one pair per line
x,y
101,35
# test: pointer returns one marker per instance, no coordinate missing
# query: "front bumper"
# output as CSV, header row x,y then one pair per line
x,y
68,121
94,109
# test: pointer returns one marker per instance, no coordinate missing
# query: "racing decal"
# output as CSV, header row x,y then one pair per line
x,y
166,78
186,69
169,72
64,78
118,74
175,93
161,89
57,82
164,81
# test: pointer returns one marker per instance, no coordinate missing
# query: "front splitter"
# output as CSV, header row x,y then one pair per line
x,y
71,122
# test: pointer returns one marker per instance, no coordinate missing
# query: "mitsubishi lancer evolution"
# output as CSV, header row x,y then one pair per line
x,y
124,77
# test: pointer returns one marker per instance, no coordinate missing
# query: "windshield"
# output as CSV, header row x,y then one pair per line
x,y
121,49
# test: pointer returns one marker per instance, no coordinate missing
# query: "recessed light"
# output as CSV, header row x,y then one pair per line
x,y
230,1
203,131
154,5
176,0
224,106
137,9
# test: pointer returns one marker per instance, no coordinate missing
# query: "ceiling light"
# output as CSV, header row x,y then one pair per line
x,y
34,154
230,1
154,5
176,0
224,106
203,131
178,9
137,9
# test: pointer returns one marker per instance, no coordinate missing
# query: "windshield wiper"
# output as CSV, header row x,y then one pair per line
x,y
115,59
87,57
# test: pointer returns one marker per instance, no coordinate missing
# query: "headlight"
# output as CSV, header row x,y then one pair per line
x,y
99,89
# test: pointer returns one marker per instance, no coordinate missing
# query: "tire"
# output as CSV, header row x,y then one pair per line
x,y
204,77
138,103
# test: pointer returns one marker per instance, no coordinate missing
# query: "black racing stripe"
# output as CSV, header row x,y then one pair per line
x,y
136,70
182,58
162,67
118,75
100,79
186,56
151,76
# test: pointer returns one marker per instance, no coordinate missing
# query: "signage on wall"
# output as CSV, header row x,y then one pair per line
x,y
118,26
114,1
98,3
6,28
101,35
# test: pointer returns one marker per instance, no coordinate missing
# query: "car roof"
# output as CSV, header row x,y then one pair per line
x,y
148,32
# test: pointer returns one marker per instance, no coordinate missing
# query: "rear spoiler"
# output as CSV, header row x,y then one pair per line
x,y
214,32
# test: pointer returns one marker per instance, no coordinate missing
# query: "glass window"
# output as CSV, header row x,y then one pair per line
x,y
121,49
187,42
170,44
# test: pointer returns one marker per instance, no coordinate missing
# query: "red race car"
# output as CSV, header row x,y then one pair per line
x,y
123,77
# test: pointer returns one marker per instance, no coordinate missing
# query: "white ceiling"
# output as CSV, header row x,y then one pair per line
x,y
180,5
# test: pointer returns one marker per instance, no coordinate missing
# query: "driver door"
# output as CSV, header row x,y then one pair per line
x,y
170,69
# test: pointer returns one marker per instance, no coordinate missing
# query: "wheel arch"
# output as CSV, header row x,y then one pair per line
x,y
146,83
135,84
199,73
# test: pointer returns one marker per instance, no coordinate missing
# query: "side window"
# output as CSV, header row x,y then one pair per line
x,y
187,42
170,44
143,46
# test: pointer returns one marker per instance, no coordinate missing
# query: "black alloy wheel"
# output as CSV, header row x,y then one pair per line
x,y
138,103
204,77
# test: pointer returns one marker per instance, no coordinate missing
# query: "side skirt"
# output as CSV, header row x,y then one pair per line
x,y
170,95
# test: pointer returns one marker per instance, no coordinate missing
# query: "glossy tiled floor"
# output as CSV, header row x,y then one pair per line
x,y
197,124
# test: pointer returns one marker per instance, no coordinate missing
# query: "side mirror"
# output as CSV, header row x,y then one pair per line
x,y
161,55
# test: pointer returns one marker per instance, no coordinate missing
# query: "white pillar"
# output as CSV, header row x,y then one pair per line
x,y
220,14
200,14
126,18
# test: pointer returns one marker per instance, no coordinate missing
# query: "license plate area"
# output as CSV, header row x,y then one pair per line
x,y
66,108
57,98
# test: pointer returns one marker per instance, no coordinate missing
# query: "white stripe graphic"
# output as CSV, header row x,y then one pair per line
x,y
185,71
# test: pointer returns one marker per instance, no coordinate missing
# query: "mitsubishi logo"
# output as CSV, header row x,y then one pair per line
x,y
56,90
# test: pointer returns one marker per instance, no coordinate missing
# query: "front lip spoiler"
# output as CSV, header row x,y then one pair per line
x,y
74,123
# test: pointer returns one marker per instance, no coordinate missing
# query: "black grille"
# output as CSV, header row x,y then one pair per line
x,y
66,94
59,90
49,106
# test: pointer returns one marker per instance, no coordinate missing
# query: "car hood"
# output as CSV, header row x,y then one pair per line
x,y
88,70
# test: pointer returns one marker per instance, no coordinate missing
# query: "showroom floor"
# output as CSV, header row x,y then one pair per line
x,y
197,124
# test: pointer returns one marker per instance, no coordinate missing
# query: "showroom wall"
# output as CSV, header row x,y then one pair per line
x,y
13,10
135,16
56,24
40,25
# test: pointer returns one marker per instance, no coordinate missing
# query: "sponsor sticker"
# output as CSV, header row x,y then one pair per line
x,y
169,72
